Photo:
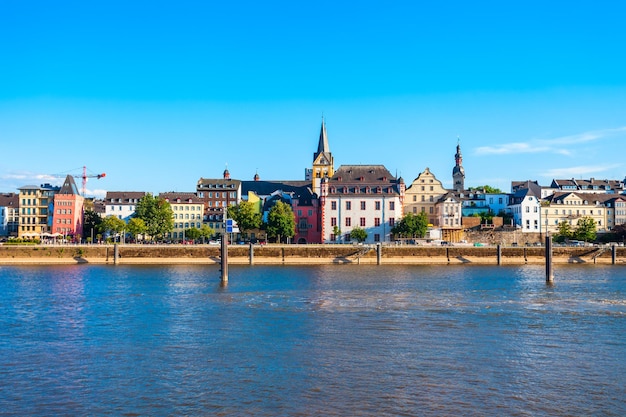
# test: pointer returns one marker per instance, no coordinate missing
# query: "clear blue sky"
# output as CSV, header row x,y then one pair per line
x,y
159,93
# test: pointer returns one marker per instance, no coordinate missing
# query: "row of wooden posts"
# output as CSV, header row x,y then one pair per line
x,y
224,258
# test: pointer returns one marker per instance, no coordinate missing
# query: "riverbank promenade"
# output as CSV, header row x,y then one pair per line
x,y
305,254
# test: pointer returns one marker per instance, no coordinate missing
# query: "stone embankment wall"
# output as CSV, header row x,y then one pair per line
x,y
304,254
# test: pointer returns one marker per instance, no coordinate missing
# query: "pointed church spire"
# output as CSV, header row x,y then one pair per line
x,y
322,145
323,164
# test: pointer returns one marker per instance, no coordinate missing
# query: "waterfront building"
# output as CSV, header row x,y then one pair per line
x,y
323,162
9,214
122,204
572,206
423,195
298,194
36,208
619,210
217,194
187,212
449,217
67,218
524,206
364,196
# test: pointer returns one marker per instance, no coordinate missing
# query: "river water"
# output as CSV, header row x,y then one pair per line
x,y
312,341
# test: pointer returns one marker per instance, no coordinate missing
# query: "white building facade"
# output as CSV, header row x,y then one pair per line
x,y
122,204
363,196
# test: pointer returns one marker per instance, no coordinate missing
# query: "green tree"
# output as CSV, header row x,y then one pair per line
x,y
358,234
135,227
113,225
245,215
412,225
564,231
586,229
337,232
281,222
206,232
156,214
91,225
193,233
487,189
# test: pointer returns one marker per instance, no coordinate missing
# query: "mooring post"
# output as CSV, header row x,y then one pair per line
x,y
613,254
499,254
379,253
116,254
549,271
224,260
251,253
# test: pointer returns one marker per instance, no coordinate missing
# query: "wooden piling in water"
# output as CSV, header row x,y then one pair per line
x,y
549,270
499,254
224,260
613,254
379,253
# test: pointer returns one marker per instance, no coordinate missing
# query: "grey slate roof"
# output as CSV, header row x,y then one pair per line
x,y
69,186
9,200
363,179
185,197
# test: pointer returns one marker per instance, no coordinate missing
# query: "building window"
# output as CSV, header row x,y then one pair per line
x,y
346,237
392,205
376,237
377,205
430,210
423,198
414,198
333,205
348,205
362,222
362,205
376,221
348,221
333,221
392,222
332,237
414,210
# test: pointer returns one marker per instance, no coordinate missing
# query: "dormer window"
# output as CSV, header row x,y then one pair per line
x,y
339,178
361,178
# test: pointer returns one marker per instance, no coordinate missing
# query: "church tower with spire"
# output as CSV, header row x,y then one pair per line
x,y
323,163
458,173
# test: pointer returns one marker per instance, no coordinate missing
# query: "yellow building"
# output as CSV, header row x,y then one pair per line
x,y
188,212
36,210
423,195
570,207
